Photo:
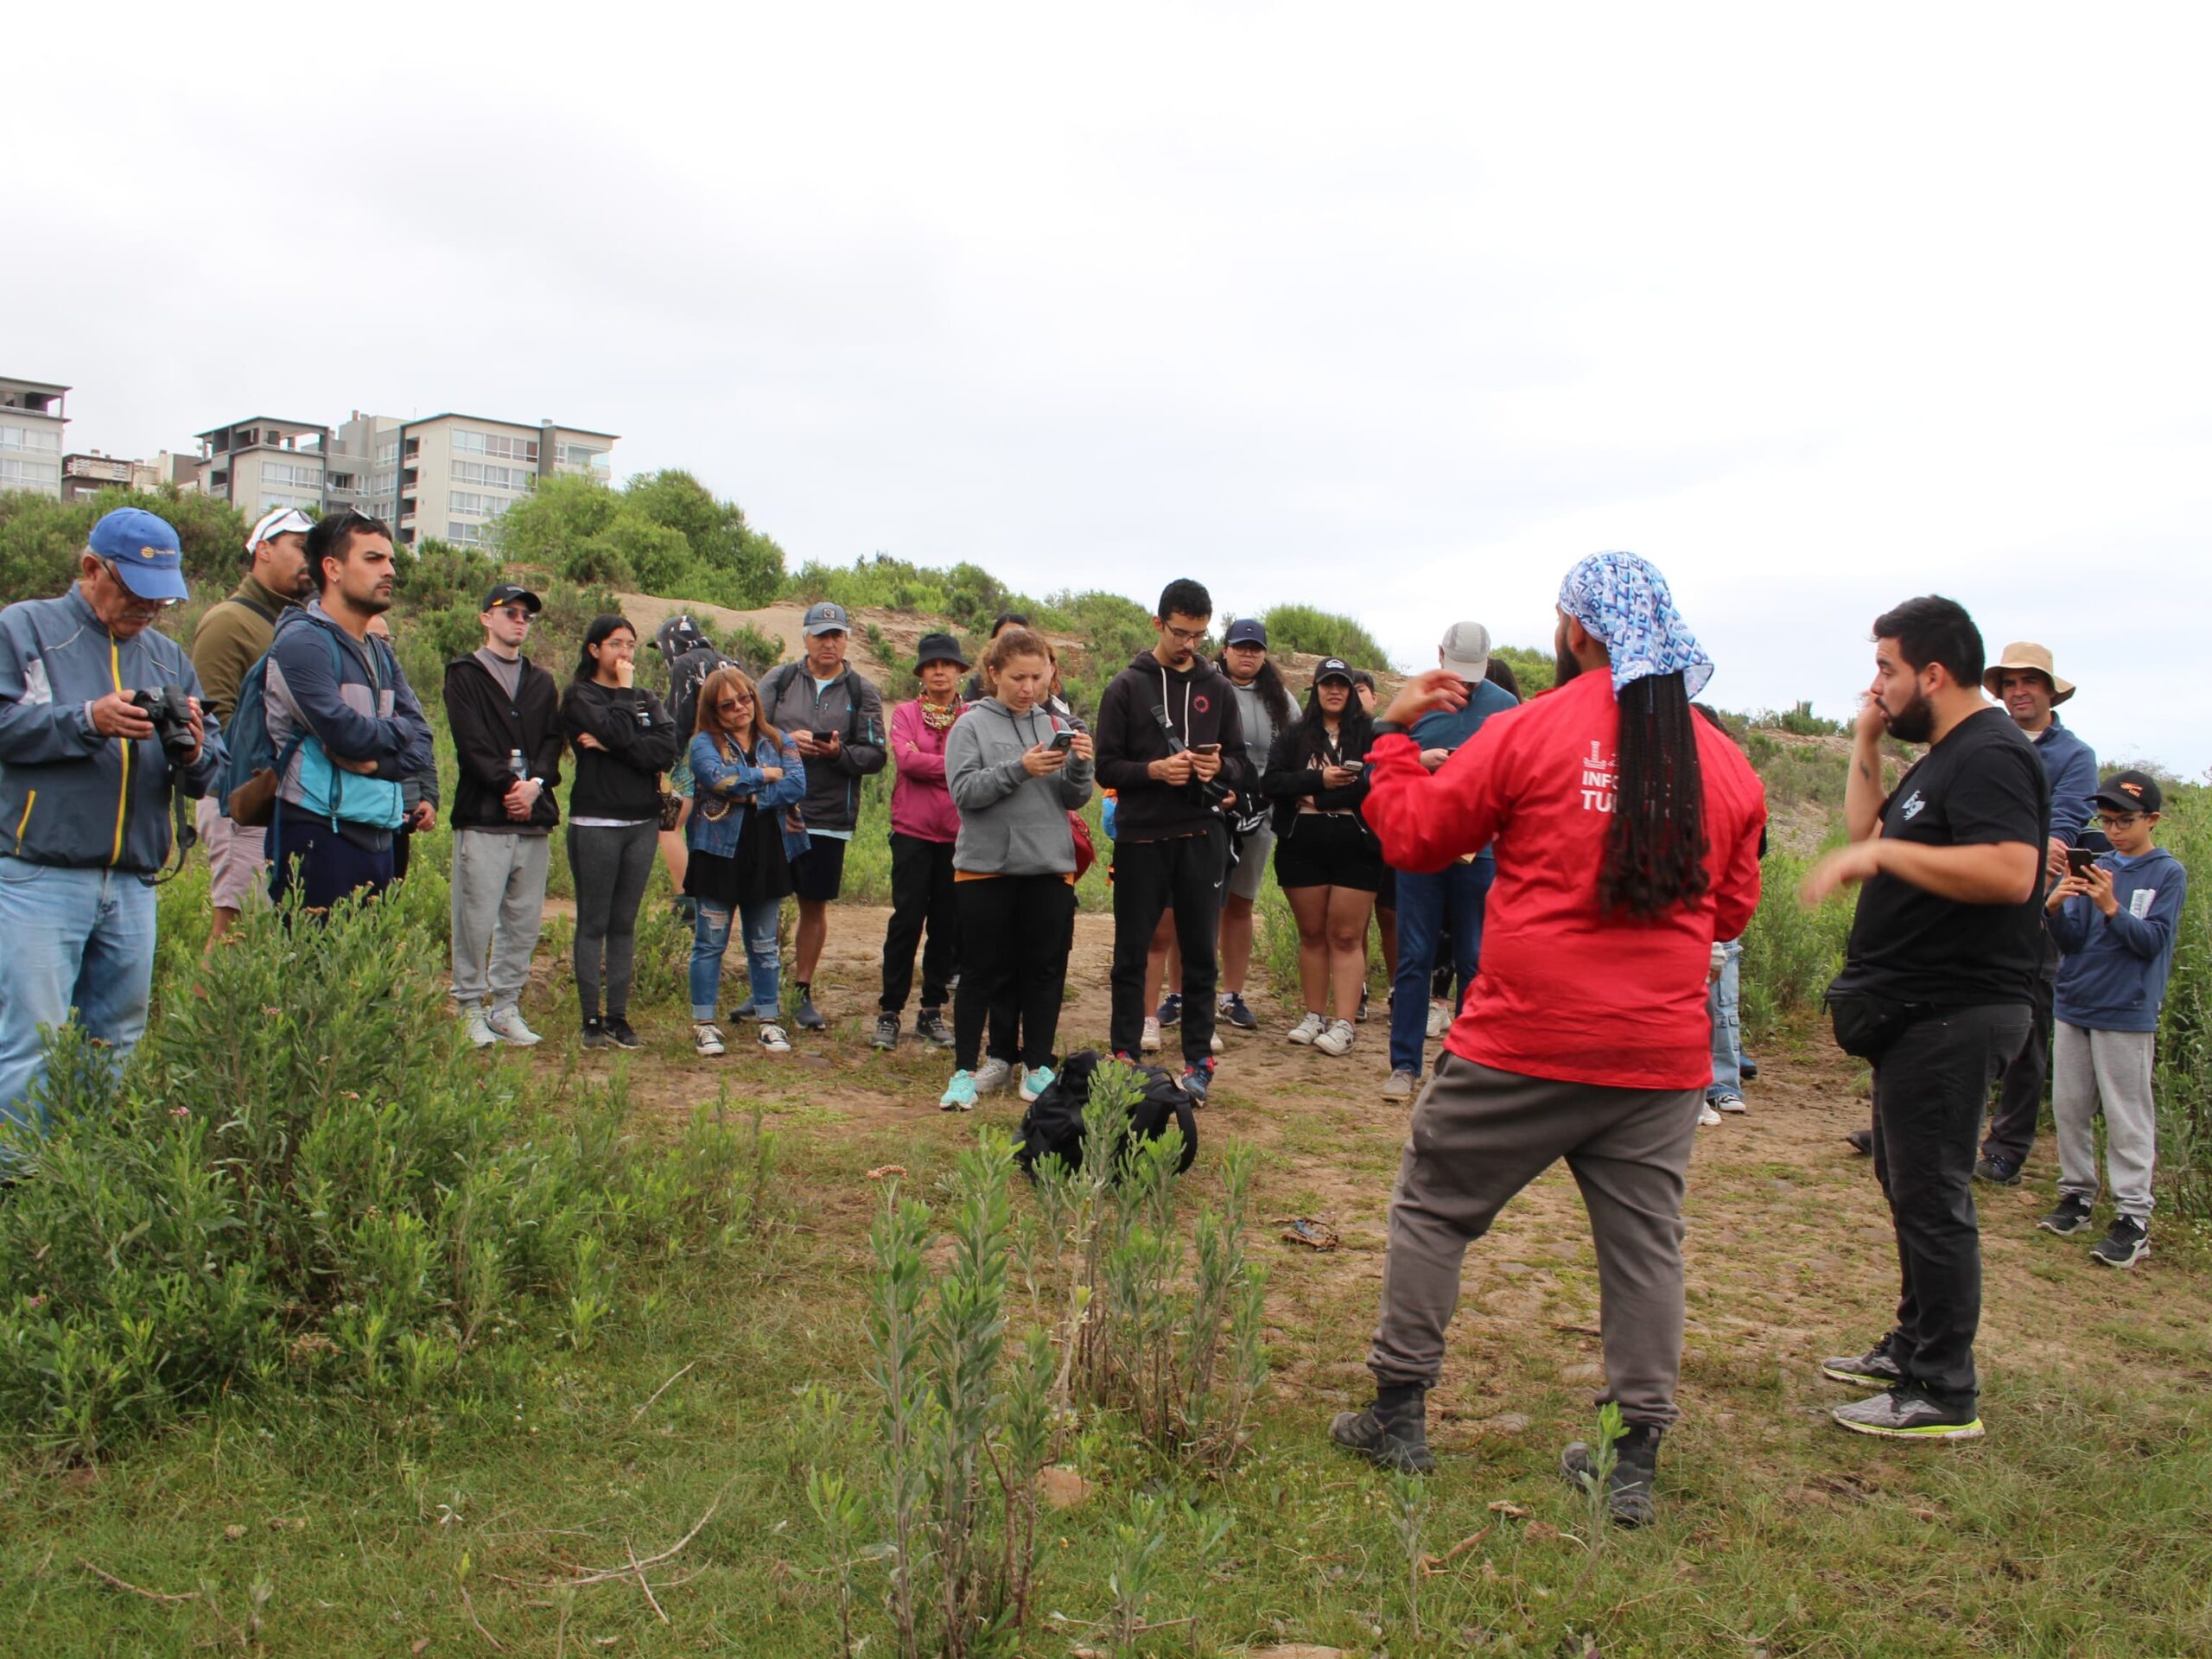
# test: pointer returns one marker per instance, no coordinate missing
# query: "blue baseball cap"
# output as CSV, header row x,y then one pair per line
x,y
143,550
1247,631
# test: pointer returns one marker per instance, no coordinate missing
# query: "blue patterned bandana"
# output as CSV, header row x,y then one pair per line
x,y
1623,599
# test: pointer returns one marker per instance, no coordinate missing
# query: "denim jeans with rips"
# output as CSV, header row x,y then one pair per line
x,y
763,964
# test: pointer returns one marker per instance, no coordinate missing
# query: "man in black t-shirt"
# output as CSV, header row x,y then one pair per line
x,y
1936,988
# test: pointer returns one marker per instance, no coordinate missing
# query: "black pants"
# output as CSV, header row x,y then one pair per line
x,y
1928,1091
921,895
2019,1096
1189,875
1015,932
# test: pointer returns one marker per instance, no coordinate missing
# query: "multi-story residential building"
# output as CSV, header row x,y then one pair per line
x,y
262,463
31,420
455,475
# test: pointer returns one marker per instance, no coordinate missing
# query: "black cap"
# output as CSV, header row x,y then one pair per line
x,y
1332,668
510,592
938,648
2130,791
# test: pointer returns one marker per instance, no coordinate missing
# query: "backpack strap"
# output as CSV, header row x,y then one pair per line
x,y
253,605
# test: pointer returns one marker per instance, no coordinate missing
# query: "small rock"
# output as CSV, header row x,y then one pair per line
x,y
1062,1489
1506,1423
1513,1269
234,1532
1585,1372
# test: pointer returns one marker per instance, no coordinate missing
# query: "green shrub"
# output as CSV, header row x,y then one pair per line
x,y
1789,953
2184,1051
1324,633
41,536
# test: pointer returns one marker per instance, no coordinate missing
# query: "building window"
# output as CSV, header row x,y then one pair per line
x,y
39,439
281,473
29,474
498,478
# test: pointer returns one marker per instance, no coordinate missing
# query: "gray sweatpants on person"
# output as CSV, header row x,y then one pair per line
x,y
2110,1069
498,901
1479,1136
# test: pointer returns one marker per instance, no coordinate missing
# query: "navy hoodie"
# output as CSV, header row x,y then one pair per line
x,y
2113,974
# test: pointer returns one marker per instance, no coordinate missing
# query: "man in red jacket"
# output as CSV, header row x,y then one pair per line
x,y
1627,834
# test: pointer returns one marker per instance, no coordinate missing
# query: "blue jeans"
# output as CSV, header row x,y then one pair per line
x,y
710,938
80,939
1460,892
1727,1036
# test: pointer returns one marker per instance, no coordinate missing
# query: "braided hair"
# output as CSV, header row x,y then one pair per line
x,y
1655,847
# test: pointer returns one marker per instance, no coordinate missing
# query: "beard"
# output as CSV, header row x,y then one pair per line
x,y
1915,722
1564,666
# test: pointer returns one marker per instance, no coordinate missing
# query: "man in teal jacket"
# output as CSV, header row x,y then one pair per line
x,y
86,786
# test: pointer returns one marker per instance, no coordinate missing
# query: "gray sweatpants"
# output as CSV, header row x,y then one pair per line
x,y
1480,1136
498,900
2110,1069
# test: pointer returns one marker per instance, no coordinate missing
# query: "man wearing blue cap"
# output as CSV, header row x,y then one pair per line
x,y
100,728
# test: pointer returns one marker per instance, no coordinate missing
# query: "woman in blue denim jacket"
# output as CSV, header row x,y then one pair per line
x,y
743,833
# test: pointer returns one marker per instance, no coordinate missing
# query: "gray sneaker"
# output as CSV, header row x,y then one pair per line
x,y
1875,1368
886,1034
993,1075
1905,1413
1402,1086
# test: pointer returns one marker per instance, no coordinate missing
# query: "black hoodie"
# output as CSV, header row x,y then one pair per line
x,y
1200,706
487,730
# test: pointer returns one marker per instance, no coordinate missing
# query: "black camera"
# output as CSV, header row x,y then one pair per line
x,y
170,709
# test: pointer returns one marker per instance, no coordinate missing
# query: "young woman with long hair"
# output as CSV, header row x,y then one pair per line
x,y
1016,771
1326,862
624,739
747,777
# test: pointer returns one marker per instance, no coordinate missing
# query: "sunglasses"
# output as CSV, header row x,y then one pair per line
x,y
738,701
515,613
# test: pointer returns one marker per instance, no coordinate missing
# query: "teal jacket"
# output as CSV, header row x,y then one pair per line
x,y
67,795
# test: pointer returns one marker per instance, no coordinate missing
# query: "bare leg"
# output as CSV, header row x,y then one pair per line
x,y
220,919
1309,906
673,851
1235,943
1348,909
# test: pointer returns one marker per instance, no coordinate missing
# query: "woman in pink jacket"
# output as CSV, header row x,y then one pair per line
x,y
924,825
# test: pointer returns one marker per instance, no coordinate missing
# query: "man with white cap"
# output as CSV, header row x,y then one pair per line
x,y
1627,832
1429,902
101,730
2025,682
232,635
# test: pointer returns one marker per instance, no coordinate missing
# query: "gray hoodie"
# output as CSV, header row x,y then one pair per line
x,y
1011,824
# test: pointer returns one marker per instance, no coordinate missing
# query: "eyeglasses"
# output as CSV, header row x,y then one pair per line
x,y
131,598
2120,820
739,701
1186,636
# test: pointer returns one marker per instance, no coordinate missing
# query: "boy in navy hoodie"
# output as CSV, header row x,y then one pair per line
x,y
2114,923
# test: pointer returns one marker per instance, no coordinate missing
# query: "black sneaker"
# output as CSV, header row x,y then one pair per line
x,y
594,1033
1391,1434
1628,1488
1862,1142
1231,1009
886,1034
619,1034
931,1027
809,1017
1907,1412
1998,1170
1171,1008
2071,1216
1877,1368
1748,1068
2124,1243
1198,1079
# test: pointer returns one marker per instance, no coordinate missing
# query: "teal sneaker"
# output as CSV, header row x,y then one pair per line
x,y
1036,1082
959,1095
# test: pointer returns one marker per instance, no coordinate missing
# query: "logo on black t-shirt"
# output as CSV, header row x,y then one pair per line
x,y
1912,806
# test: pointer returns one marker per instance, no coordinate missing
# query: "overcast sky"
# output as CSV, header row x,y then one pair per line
x,y
1396,311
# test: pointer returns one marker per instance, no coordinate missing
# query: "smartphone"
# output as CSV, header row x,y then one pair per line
x,y
1206,748
1063,740
2078,860
824,737
1355,765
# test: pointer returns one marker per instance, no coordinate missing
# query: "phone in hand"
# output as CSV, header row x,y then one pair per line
x,y
823,738
1206,748
1062,741
2079,859
1355,765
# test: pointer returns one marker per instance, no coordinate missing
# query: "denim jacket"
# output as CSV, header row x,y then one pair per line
x,y
738,781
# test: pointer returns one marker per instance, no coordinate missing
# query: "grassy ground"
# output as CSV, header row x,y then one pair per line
x,y
2076,1527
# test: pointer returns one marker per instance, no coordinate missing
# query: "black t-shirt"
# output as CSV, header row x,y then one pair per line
x,y
1982,785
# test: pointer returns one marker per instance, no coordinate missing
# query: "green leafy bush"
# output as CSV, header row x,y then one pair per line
x,y
1789,953
41,536
1324,633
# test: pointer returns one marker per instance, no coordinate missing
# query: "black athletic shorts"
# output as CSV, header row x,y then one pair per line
x,y
821,872
1319,850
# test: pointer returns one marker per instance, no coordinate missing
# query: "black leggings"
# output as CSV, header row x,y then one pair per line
x,y
611,867
1015,933
921,893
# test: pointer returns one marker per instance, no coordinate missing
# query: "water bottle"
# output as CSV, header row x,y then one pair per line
x,y
516,765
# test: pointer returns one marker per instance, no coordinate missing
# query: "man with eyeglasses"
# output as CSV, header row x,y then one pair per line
x,y
504,712
90,775
232,635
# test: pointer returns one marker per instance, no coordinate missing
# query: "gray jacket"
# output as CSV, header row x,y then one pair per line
x,y
1011,824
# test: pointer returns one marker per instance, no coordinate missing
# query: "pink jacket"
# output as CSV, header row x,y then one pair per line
x,y
921,805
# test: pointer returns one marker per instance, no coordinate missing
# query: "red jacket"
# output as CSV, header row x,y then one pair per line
x,y
1564,992
921,805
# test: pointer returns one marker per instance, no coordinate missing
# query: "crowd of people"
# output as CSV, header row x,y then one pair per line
x,y
1562,886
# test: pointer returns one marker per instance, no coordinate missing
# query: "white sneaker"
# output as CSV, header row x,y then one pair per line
x,y
1706,1117
507,1025
1308,1028
992,1076
706,1037
479,1030
1726,1103
1338,1038
1216,1042
1150,1043
1439,1018
773,1040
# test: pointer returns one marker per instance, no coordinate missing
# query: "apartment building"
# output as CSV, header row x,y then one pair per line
x,y
85,475
31,420
264,462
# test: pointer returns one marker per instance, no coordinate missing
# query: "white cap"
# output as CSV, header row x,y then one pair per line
x,y
277,521
1465,651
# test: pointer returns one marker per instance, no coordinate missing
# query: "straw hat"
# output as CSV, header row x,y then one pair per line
x,y
2025,653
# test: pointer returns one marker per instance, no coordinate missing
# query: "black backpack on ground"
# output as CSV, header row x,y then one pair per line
x,y
1053,1124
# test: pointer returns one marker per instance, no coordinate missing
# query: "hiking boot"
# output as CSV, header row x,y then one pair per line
x,y
619,1034
930,1026
1035,1081
507,1025
1628,1485
1877,1368
1338,1038
1706,1117
481,1034
1308,1028
707,1037
1360,1013
594,1033
1439,1018
2070,1217
1862,1142
772,1040
1748,1068
1727,1103
1231,1007
993,1075
1400,1086
1171,1009
1998,1170
1392,1433
1197,1080
2127,1242
809,1017
1907,1412
959,1095
886,1034
1149,1042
